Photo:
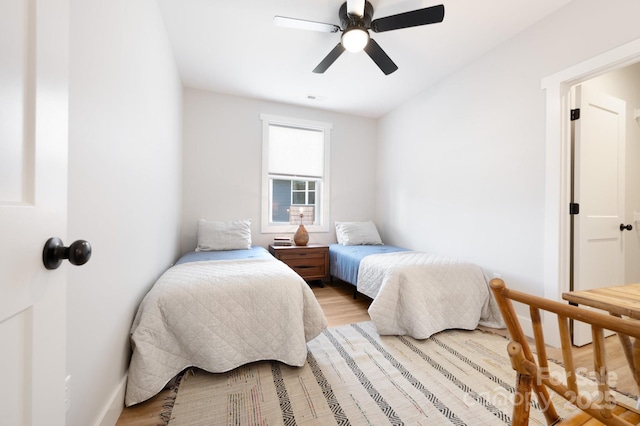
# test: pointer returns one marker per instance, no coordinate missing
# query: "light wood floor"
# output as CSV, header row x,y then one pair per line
x,y
340,308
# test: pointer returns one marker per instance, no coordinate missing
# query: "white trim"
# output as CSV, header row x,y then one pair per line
x,y
557,165
296,122
113,409
323,211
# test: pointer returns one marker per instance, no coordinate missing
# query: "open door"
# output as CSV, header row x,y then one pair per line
x,y
34,48
599,191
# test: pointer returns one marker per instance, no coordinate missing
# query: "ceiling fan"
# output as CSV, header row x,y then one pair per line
x,y
355,23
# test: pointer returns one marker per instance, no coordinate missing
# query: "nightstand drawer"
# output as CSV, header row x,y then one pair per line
x,y
310,262
307,266
310,256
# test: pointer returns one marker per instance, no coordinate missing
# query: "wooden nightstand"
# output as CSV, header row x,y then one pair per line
x,y
311,262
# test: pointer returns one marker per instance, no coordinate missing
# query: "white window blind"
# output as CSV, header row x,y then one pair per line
x,y
296,152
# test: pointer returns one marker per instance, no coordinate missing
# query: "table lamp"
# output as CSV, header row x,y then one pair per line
x,y
301,215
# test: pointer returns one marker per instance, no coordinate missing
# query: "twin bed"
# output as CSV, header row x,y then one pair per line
x,y
227,305
416,294
217,310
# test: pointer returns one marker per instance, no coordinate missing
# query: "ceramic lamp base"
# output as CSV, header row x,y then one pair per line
x,y
301,237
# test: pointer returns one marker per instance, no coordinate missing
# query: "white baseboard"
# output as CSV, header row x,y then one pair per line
x,y
114,407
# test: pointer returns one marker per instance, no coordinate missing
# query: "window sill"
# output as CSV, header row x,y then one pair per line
x,y
290,229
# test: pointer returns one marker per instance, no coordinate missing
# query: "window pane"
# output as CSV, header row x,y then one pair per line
x,y
299,185
281,200
312,198
312,185
298,198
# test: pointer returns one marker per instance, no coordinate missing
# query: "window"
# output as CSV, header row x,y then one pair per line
x,y
295,172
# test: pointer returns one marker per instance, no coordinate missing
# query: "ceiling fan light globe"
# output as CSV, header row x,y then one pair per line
x,y
355,39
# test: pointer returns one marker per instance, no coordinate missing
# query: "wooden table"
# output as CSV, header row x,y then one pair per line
x,y
619,301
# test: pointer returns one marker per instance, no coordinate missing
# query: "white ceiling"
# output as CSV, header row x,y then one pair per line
x,y
233,47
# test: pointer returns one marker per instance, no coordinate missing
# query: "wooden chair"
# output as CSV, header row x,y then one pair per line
x,y
534,375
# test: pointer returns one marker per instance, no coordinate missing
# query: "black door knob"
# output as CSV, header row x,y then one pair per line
x,y
54,252
627,227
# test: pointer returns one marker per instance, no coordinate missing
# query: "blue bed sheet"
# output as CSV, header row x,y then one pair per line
x,y
255,252
345,260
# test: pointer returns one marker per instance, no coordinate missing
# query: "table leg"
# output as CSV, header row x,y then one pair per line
x,y
636,367
629,350
632,353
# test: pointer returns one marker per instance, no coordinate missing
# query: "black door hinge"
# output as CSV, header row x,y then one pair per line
x,y
574,208
575,114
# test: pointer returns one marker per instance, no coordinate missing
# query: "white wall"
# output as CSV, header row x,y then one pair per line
x,y
124,188
625,84
462,166
223,158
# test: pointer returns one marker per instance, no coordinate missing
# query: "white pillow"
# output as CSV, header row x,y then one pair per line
x,y
233,235
357,233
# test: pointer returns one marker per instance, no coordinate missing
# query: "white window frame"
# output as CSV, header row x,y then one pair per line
x,y
322,194
306,191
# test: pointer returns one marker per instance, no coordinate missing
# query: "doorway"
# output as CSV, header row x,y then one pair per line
x,y
598,192
606,242
624,84
558,164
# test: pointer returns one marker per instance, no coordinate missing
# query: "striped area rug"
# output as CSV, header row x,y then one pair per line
x,y
355,377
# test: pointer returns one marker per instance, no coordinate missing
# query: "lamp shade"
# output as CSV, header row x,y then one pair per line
x,y
301,215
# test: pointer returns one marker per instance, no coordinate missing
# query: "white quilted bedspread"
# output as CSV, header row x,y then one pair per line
x,y
420,294
218,315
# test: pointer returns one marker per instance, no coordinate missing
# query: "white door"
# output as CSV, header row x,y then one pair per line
x,y
33,207
599,189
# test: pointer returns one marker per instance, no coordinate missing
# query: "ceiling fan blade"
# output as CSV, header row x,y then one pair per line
x,y
329,59
302,24
355,7
384,62
414,18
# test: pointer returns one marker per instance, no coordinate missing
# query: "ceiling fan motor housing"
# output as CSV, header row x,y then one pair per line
x,y
352,21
